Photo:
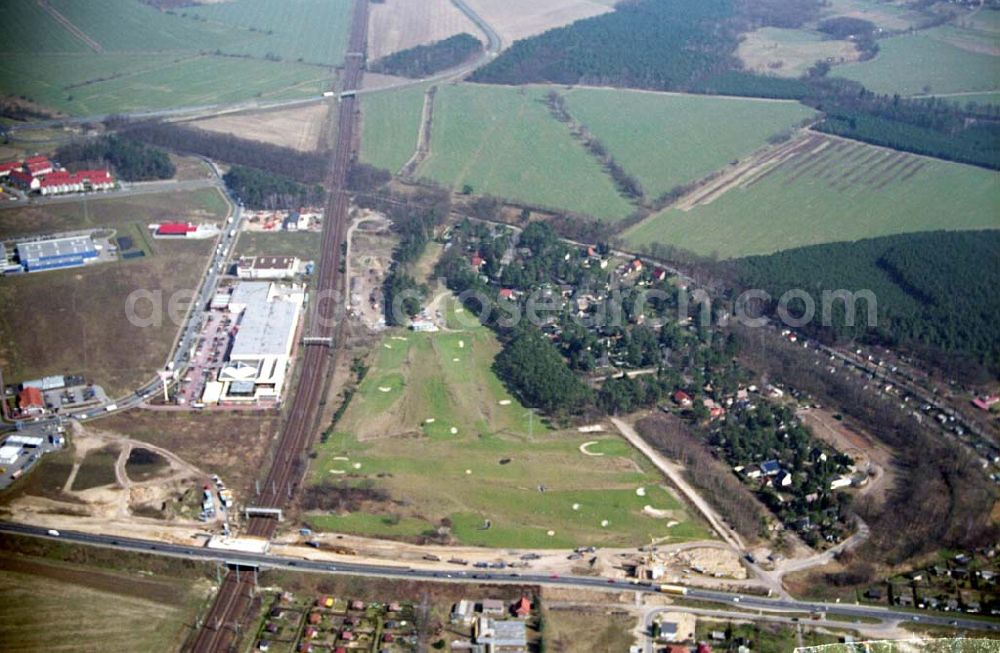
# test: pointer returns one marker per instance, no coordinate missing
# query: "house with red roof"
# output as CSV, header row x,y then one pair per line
x,y
682,399
23,180
38,165
8,167
985,403
31,401
523,607
476,261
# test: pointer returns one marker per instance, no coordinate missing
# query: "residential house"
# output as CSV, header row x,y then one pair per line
x,y
770,467
31,401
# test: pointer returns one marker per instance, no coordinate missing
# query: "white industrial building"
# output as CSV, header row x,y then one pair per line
x,y
266,316
267,267
9,454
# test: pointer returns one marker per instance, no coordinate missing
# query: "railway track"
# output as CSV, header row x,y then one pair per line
x,y
221,625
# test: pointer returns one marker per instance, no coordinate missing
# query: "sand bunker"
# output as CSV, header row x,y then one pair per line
x,y
586,452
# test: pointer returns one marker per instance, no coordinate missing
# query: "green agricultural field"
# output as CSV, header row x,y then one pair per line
x,y
845,192
668,140
391,125
887,15
434,427
56,607
313,31
101,84
502,141
925,63
110,56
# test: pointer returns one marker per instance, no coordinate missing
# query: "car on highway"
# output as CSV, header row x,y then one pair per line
x,y
53,532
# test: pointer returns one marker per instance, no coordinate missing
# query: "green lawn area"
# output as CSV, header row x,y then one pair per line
x,y
303,244
502,141
135,57
844,193
671,140
45,606
925,62
202,205
391,126
500,464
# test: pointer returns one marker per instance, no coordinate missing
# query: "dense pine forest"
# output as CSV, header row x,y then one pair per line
x,y
936,291
130,160
424,60
264,190
677,45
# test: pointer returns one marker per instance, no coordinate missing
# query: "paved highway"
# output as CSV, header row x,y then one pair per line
x,y
731,601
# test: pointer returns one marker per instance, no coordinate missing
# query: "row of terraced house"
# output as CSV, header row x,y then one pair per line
x,y
41,175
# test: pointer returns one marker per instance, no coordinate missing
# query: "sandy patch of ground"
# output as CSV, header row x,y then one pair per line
x,y
714,561
518,19
396,25
369,254
760,51
377,80
299,128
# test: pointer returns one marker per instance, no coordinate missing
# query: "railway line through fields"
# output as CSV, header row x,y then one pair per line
x,y
221,626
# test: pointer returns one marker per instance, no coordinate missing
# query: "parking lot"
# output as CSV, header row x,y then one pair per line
x,y
49,431
209,353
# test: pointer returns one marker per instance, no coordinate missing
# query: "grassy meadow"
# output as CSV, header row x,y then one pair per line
x,y
790,52
433,426
502,141
125,55
668,140
844,192
391,125
926,62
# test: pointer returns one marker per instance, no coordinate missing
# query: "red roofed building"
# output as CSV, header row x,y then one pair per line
x,y
985,403
9,167
175,229
60,182
38,165
523,607
704,648
506,293
476,260
682,398
23,180
31,401
659,274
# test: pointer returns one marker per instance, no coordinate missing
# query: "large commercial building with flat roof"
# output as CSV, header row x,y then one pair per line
x,y
68,252
266,316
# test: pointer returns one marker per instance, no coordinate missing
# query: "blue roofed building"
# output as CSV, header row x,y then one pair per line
x,y
55,253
